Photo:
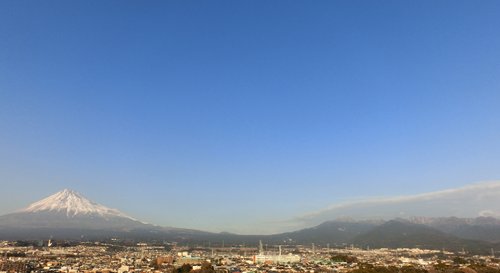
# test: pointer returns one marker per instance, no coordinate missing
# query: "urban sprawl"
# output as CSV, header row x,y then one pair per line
x,y
117,256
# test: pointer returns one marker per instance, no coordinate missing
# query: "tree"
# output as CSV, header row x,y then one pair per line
x,y
185,268
206,267
459,260
441,267
343,258
411,269
154,264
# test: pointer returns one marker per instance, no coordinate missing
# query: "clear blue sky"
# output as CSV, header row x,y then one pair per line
x,y
224,115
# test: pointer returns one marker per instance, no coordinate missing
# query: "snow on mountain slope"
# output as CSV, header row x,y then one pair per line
x,y
448,223
73,203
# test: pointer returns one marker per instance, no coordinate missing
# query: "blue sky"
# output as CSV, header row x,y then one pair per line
x,y
227,115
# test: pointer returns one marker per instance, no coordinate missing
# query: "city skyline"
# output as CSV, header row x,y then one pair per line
x,y
252,117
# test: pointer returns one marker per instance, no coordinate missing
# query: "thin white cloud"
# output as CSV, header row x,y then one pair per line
x,y
480,199
487,213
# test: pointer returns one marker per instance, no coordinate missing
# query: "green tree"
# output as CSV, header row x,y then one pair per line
x,y
339,258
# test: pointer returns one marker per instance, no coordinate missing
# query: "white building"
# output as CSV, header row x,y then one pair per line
x,y
277,259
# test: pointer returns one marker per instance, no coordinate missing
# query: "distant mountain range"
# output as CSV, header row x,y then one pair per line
x,y
481,228
69,215
396,234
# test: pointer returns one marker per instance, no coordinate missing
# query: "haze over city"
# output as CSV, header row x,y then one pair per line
x,y
252,117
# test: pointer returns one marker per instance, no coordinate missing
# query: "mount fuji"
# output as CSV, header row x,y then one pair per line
x,y
69,209
72,204
68,212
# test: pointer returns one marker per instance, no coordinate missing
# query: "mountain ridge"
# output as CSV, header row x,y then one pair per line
x,y
68,213
396,234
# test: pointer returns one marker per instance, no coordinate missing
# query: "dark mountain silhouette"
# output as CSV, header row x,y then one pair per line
x,y
395,234
480,228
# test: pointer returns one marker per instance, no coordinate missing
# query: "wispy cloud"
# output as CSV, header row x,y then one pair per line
x,y
489,212
480,199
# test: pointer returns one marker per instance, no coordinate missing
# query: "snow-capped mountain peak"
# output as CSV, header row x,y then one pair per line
x,y
73,203
345,219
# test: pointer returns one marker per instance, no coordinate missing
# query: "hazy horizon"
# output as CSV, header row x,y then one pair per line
x,y
445,203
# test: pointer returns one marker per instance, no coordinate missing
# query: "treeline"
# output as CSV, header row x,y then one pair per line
x,y
369,268
437,268
206,267
344,258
